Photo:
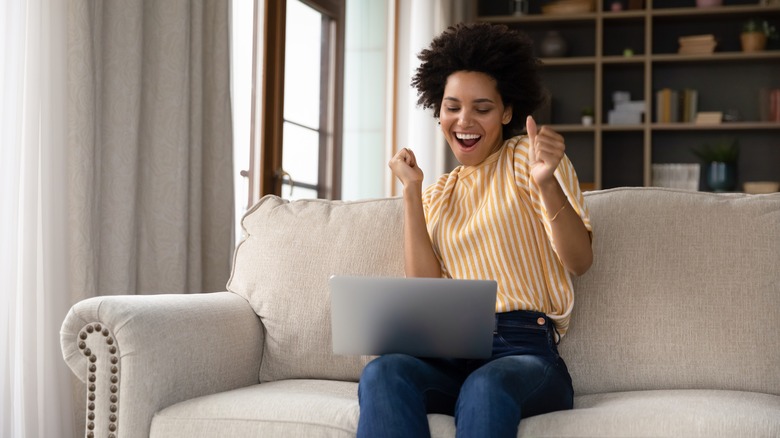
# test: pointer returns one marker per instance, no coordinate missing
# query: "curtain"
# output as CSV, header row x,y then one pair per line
x,y
419,21
35,395
151,178
150,136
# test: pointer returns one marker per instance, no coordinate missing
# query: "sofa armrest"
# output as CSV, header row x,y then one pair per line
x,y
141,353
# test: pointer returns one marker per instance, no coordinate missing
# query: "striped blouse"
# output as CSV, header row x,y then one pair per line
x,y
489,222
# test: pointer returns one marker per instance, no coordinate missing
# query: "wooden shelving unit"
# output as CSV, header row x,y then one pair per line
x,y
728,80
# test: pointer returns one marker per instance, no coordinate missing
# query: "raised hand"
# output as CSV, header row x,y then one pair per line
x,y
545,151
405,168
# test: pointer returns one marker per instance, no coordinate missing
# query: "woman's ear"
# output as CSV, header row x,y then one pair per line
x,y
507,116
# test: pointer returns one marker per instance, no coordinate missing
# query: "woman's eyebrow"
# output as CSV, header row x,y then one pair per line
x,y
481,100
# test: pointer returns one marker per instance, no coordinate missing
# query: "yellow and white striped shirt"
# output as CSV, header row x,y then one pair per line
x,y
489,222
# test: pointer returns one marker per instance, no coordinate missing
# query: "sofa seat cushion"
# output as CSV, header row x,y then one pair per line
x,y
290,408
662,413
284,408
325,408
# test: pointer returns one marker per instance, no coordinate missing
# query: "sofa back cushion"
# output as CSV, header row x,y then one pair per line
x,y
283,265
684,292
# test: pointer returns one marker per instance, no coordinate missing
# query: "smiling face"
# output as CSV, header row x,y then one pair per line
x,y
472,115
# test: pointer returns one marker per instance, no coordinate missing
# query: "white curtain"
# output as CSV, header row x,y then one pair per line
x,y
35,395
115,176
418,22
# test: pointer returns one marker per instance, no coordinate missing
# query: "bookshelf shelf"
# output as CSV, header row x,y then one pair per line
x,y
718,57
684,13
726,126
624,15
573,128
581,60
616,128
634,59
727,80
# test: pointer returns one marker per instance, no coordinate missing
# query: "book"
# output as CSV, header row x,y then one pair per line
x,y
666,106
697,44
688,105
709,118
673,106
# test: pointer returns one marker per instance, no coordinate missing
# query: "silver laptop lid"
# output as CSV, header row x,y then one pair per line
x,y
424,317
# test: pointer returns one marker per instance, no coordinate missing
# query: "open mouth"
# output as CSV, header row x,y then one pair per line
x,y
467,141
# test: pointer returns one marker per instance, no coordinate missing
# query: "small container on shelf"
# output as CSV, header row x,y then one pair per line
x,y
708,3
761,187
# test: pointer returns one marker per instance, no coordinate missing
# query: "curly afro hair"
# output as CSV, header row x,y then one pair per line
x,y
502,53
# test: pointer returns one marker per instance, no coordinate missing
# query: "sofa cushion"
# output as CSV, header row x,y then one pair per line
x,y
684,292
314,408
691,413
283,265
286,408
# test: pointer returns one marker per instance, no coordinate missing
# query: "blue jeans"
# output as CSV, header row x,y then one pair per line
x,y
525,376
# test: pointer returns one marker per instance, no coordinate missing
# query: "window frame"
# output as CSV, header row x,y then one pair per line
x,y
266,173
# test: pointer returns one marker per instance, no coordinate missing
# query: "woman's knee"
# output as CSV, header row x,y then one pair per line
x,y
506,378
385,368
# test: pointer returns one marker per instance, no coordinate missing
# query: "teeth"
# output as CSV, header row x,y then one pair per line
x,y
466,136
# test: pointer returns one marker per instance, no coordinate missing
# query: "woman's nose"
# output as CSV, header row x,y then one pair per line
x,y
464,119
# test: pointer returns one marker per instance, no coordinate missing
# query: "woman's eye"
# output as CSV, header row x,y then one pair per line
x,y
452,109
483,111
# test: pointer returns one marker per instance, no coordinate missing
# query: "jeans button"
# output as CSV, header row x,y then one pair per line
x,y
541,321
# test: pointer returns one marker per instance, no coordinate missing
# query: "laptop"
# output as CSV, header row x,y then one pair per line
x,y
423,317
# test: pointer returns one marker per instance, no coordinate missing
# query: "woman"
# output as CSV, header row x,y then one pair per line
x,y
513,212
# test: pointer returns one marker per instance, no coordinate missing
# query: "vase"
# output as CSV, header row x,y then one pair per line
x,y
520,7
553,45
721,177
753,41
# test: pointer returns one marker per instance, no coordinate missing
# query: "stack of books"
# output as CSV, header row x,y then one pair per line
x,y
697,44
709,118
673,106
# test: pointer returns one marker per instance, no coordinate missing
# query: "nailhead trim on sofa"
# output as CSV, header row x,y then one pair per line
x,y
95,387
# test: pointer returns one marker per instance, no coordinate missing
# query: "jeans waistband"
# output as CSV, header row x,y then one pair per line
x,y
531,317
522,315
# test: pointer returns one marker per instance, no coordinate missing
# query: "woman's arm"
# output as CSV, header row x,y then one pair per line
x,y
571,238
419,258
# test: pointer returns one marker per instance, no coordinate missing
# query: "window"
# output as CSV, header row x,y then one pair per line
x,y
301,80
307,136
288,61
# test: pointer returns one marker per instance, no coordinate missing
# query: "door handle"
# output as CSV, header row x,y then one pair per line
x,y
281,174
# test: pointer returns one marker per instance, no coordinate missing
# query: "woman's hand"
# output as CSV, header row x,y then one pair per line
x,y
419,258
404,167
569,235
545,151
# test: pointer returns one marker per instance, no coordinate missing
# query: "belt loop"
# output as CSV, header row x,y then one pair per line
x,y
556,333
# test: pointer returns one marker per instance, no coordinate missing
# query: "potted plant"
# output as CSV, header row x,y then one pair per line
x,y
755,33
720,162
587,116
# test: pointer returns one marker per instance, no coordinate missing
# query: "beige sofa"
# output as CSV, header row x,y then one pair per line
x,y
675,332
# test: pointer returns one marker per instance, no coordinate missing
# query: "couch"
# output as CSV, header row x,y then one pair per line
x,y
675,330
